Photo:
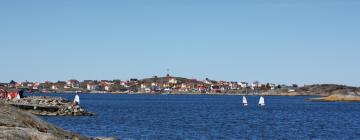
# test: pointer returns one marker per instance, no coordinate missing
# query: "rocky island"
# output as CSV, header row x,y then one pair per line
x,y
328,93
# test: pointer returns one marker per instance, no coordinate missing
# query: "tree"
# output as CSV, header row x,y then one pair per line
x,y
12,84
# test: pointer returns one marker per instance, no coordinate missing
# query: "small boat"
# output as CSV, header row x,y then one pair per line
x,y
261,101
77,99
244,102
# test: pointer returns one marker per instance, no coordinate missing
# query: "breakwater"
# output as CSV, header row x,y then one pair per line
x,y
49,106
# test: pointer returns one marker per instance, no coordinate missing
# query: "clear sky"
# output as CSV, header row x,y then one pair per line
x,y
280,41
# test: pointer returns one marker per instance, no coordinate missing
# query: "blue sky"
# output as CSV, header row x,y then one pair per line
x,y
280,41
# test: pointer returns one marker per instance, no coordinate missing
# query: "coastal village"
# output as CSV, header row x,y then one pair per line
x,y
154,85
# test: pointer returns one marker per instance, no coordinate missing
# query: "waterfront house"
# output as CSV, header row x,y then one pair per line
x,y
123,83
215,89
54,87
168,90
201,88
147,90
155,89
154,84
185,87
233,85
92,86
243,84
256,85
10,94
107,88
72,84
272,86
143,86
165,85
36,86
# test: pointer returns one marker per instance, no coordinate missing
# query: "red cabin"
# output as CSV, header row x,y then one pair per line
x,y
9,95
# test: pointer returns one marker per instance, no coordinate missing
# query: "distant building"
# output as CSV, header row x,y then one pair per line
x,y
54,87
107,88
173,81
72,84
36,86
256,84
92,87
243,84
233,85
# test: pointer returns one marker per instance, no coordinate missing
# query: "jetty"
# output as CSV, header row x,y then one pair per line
x,y
48,106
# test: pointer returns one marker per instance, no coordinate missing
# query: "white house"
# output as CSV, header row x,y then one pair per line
x,y
143,86
53,87
272,86
255,84
207,82
147,90
243,84
107,88
91,87
173,81
72,84
154,84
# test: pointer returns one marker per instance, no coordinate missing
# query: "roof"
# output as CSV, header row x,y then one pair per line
x,y
10,89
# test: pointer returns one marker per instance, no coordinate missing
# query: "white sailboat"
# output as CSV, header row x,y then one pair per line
x,y
244,101
261,101
77,99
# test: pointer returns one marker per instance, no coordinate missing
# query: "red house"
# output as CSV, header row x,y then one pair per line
x,y
10,95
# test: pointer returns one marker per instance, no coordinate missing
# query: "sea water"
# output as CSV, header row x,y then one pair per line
x,y
211,117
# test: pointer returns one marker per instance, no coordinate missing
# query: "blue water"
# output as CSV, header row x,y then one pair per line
x,y
211,117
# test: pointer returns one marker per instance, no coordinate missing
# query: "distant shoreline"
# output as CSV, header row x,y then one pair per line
x,y
325,92
164,94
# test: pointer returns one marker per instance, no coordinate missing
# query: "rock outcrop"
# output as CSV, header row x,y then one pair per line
x,y
49,106
328,89
17,124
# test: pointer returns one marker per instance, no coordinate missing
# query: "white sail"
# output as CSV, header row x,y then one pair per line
x,y
77,99
17,97
244,102
262,101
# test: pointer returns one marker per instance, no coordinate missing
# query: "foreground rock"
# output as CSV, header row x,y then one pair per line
x,y
49,106
20,125
337,98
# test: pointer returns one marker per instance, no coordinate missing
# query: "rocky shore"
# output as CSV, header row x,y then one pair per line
x,y
328,93
49,106
16,124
